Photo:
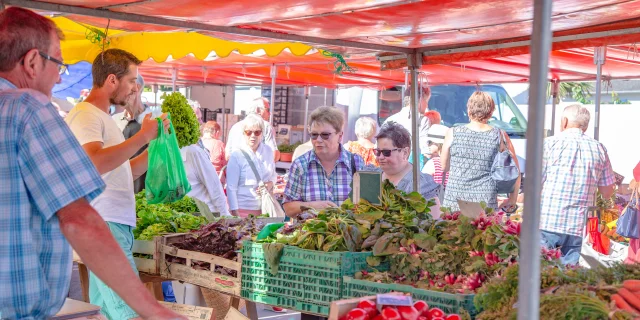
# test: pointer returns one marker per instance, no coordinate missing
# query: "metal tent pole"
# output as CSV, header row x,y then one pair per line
x,y
174,78
307,90
599,58
274,73
324,103
415,61
224,113
529,277
554,95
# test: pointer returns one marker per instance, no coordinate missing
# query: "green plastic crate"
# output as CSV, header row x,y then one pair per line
x,y
448,302
291,304
305,276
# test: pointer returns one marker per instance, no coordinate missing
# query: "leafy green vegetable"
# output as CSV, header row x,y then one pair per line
x,y
157,219
183,118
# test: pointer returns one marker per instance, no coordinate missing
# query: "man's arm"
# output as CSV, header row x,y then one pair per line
x,y
89,235
107,159
140,164
607,191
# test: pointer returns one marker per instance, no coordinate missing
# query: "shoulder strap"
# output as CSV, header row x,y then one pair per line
x,y
502,140
353,164
253,166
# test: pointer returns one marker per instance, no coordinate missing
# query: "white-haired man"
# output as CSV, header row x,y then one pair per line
x,y
236,139
575,166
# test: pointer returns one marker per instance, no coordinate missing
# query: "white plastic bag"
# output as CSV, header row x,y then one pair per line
x,y
270,205
590,258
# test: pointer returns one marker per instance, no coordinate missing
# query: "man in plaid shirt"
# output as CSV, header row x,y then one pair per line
x,y
47,183
575,166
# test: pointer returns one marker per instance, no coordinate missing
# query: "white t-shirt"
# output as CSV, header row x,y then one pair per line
x,y
117,202
204,181
236,138
403,117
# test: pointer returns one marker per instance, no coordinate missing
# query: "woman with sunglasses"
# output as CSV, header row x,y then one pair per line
x,y
243,186
321,177
393,149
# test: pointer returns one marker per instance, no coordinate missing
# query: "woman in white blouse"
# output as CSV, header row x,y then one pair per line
x,y
242,183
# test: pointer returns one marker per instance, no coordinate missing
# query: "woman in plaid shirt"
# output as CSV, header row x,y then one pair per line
x,y
321,177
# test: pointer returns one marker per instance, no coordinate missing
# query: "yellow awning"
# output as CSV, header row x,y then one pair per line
x,y
84,42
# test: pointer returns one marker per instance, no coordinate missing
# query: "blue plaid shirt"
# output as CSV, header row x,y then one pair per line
x,y
574,166
309,182
43,168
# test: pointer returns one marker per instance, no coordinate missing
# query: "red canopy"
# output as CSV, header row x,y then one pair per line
x,y
463,41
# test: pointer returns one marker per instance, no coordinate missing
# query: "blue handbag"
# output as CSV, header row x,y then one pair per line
x,y
627,225
504,170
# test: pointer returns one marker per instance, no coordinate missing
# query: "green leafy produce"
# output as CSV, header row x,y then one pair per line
x,y
157,219
186,205
184,119
567,293
361,227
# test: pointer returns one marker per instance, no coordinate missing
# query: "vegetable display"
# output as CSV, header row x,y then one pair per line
x,y
367,310
222,238
183,117
457,254
157,219
566,293
360,227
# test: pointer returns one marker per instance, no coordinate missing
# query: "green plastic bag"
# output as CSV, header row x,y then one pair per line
x,y
166,180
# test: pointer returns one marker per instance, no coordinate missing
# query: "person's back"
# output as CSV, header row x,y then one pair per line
x,y
574,166
472,154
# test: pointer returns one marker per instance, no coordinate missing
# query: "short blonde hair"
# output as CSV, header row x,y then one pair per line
x,y
329,115
433,116
366,128
253,121
480,106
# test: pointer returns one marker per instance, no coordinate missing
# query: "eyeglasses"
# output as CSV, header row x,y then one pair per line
x,y
62,67
324,135
386,153
256,133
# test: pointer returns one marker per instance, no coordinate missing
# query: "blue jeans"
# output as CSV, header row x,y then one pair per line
x,y
569,245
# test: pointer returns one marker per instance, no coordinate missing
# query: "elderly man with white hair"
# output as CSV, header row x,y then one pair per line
x,y
236,139
575,166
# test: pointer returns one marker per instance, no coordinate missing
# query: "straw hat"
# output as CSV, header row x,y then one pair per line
x,y
437,132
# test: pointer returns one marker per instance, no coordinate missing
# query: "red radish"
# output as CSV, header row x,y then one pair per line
x,y
423,318
357,314
378,317
408,313
422,307
391,313
436,313
438,318
453,317
369,307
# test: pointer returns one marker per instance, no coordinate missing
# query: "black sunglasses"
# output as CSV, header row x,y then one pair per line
x,y
62,67
324,135
386,153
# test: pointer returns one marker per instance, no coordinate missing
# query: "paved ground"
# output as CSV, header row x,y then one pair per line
x,y
75,292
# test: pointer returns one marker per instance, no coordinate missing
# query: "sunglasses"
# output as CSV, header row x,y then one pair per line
x,y
324,135
256,133
386,153
62,67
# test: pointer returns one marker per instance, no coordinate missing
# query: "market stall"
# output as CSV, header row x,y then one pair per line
x,y
412,38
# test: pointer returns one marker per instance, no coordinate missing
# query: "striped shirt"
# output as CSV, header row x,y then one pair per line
x,y
574,166
43,169
437,174
309,182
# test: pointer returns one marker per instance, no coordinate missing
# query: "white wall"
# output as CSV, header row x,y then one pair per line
x,y
619,132
210,96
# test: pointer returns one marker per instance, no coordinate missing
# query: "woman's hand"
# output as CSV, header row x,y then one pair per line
x,y
321,205
508,205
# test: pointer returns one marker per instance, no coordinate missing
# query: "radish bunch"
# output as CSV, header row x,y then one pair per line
x,y
367,310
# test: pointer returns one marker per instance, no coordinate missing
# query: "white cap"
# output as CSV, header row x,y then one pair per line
x,y
437,132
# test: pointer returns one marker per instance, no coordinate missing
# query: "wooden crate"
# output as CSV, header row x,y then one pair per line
x,y
204,278
147,265
150,266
